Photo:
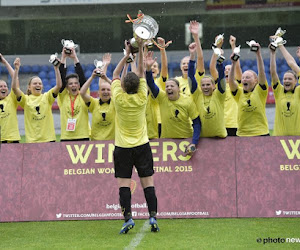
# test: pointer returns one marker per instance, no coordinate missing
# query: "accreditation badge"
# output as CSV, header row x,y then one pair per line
x,y
71,124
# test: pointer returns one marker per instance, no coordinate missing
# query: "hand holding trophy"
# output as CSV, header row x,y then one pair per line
x,y
54,60
277,39
68,45
253,46
145,28
219,53
99,67
236,53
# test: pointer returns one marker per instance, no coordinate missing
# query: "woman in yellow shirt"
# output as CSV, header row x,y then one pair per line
x,y
39,125
8,110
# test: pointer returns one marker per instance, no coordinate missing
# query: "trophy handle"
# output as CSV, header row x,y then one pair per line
x,y
139,18
62,41
95,62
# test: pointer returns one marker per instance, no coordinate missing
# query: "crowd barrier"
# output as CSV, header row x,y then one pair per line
x,y
232,177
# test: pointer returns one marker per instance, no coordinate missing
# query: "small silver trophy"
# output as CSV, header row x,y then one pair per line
x,y
100,66
68,45
53,59
218,52
236,53
277,39
131,57
252,45
218,40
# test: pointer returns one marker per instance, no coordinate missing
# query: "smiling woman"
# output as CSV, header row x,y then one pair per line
x,y
39,126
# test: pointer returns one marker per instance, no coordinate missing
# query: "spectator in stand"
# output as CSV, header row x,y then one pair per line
x,y
74,118
103,111
251,99
287,98
230,105
184,64
177,109
209,101
39,125
9,129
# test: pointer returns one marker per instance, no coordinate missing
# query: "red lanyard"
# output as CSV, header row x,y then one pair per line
x,y
72,104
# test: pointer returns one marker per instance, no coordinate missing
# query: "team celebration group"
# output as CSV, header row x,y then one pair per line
x,y
141,102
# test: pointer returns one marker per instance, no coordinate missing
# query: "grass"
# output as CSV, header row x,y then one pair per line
x,y
234,233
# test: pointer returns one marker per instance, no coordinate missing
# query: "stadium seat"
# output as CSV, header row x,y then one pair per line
x,y
51,74
88,73
52,82
47,87
35,69
45,68
45,81
42,74
26,69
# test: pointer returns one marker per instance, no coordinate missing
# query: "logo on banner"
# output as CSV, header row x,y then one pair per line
x,y
287,213
58,215
278,212
293,145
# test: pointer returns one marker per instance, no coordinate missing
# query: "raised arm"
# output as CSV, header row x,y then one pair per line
x,y
191,69
63,69
149,60
121,64
261,68
194,29
232,83
221,79
238,69
78,67
213,63
163,58
15,78
58,85
106,59
273,70
7,65
140,65
83,91
289,58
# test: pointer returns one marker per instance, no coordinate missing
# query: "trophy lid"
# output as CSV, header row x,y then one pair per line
x,y
98,64
146,28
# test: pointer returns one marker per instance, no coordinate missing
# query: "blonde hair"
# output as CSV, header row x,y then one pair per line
x,y
28,92
209,77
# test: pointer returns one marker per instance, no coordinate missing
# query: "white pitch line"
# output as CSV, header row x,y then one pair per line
x,y
140,235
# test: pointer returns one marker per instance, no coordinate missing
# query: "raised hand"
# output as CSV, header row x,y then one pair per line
x,y
194,27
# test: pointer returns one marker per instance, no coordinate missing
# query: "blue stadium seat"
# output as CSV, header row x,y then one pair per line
x,y
26,69
45,81
47,87
70,70
52,82
45,68
88,73
42,74
51,74
35,69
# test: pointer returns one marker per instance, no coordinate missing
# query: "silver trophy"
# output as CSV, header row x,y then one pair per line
x,y
53,59
68,45
280,32
277,39
100,66
144,27
252,45
218,52
218,40
236,53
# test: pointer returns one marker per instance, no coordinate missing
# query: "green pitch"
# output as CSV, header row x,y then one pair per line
x,y
243,233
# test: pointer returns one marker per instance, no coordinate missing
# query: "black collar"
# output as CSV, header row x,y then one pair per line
x,y
293,91
101,102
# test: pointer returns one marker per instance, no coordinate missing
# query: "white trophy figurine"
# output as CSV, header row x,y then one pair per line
x,y
219,39
252,45
236,53
68,45
53,59
99,65
218,52
277,41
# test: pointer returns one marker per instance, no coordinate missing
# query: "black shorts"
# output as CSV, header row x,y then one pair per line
x,y
126,158
231,131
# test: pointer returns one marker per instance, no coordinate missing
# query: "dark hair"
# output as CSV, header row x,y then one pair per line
x,y
293,73
73,75
174,80
131,83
